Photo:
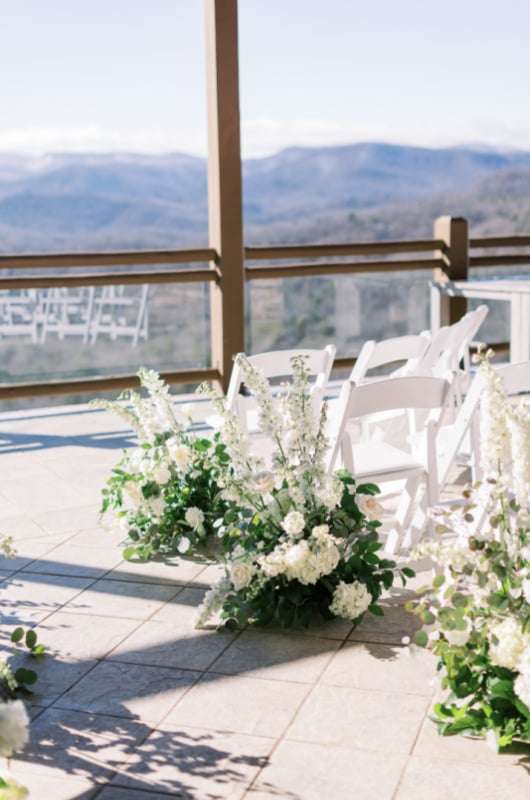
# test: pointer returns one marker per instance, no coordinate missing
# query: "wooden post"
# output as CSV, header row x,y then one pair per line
x,y
225,220
454,232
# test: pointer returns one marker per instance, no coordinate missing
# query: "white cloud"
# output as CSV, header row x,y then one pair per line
x,y
92,139
259,137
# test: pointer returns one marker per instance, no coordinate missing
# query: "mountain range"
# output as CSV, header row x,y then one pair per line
x,y
355,192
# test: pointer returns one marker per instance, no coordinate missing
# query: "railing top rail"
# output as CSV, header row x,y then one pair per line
x,y
499,241
345,249
122,257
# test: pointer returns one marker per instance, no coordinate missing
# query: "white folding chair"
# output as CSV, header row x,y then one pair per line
x,y
386,353
450,350
516,377
277,367
381,462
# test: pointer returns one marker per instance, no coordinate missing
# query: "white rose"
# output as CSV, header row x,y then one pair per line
x,y
194,516
161,473
14,722
179,453
369,506
263,482
241,574
458,638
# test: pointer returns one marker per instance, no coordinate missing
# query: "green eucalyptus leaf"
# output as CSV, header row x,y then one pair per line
x,y
421,638
17,635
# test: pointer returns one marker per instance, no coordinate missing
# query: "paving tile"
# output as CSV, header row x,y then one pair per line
x,y
22,527
389,629
74,643
437,780
302,771
129,690
81,636
7,507
67,520
466,749
53,786
34,551
110,598
359,719
27,598
241,705
45,492
68,559
335,628
86,746
178,571
192,763
279,656
120,793
169,638
383,668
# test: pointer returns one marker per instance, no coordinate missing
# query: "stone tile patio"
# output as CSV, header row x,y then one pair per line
x,y
133,703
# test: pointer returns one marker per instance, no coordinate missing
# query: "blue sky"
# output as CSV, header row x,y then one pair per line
x,y
106,75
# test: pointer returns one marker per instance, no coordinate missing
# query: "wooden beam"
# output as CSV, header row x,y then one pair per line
x,y
225,220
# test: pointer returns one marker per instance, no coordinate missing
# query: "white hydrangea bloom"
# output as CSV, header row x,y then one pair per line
x,y
14,724
507,643
294,523
13,790
350,600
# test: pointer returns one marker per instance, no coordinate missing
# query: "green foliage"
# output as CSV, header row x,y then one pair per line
x,y
165,494
17,682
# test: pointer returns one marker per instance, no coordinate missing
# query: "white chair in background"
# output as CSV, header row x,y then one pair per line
x,y
277,367
516,377
450,350
382,462
386,353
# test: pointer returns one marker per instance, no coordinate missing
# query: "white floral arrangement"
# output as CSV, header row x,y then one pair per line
x,y
477,610
14,735
297,540
163,495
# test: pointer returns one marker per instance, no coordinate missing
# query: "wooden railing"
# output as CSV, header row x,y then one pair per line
x,y
448,255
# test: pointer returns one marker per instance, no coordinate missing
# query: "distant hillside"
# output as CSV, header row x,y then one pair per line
x,y
361,191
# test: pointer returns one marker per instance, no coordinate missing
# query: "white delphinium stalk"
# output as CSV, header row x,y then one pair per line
x,y
238,482
213,602
270,420
519,427
494,434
